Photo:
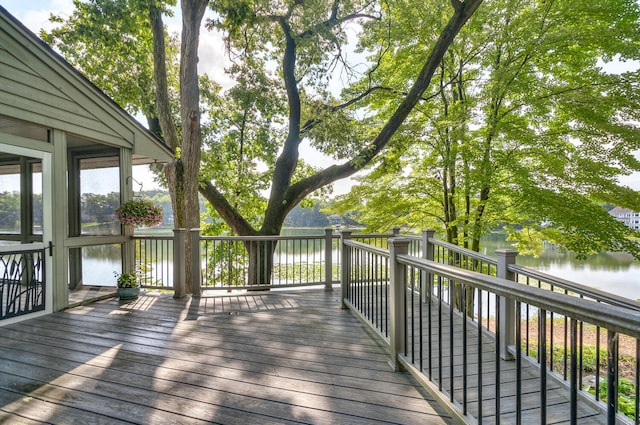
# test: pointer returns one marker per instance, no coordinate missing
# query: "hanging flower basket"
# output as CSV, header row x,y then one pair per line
x,y
139,212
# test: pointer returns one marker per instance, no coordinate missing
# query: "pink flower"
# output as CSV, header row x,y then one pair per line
x,y
139,212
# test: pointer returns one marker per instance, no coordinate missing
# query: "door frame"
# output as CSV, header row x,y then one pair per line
x,y
47,226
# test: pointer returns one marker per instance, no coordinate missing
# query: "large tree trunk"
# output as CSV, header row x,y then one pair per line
x,y
260,261
175,170
192,14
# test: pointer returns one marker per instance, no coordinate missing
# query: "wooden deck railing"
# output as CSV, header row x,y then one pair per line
x,y
460,332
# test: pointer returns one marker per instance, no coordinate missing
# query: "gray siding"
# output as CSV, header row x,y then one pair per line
x,y
32,90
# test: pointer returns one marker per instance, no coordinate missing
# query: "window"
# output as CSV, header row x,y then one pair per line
x,y
20,198
99,195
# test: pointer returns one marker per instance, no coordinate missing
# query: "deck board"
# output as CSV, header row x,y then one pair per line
x,y
437,329
259,358
558,395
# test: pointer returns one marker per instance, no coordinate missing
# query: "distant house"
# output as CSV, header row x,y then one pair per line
x,y
60,137
630,218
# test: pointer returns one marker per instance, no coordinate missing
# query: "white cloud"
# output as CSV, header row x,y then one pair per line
x,y
212,58
35,14
632,181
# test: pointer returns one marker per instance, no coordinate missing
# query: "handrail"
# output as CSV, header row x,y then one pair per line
x,y
153,237
264,238
432,313
609,317
10,249
579,289
465,251
367,248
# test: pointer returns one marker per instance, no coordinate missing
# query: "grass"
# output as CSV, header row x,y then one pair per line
x,y
594,362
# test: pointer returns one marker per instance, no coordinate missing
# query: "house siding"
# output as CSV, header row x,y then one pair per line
x,y
47,98
630,218
38,86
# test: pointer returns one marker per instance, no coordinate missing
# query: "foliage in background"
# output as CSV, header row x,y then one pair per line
x,y
9,209
523,128
254,130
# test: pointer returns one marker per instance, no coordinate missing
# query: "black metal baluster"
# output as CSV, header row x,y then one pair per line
x,y
413,326
612,376
518,363
597,383
451,342
376,289
440,333
497,333
542,354
421,322
637,403
430,326
386,298
480,357
464,351
565,345
573,384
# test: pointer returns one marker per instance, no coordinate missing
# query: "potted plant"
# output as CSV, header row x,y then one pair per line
x,y
139,212
128,285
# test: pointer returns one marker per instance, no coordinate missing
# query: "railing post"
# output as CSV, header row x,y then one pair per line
x,y
398,275
345,267
507,324
328,259
179,267
428,254
196,269
427,244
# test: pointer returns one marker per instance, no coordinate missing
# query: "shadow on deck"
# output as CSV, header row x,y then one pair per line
x,y
260,358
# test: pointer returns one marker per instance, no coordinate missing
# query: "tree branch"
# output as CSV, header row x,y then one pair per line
x,y
299,190
167,125
226,211
286,162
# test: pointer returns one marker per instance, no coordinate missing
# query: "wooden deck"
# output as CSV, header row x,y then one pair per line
x,y
264,358
444,368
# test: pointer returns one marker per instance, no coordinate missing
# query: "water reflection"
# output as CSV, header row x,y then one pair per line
x,y
617,273
614,272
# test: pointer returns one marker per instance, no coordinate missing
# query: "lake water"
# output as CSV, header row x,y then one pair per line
x,y
617,273
612,272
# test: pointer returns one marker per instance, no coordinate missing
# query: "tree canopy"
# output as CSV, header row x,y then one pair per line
x,y
524,129
283,54
507,118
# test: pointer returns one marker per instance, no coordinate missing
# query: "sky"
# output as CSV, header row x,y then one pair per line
x,y
34,15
